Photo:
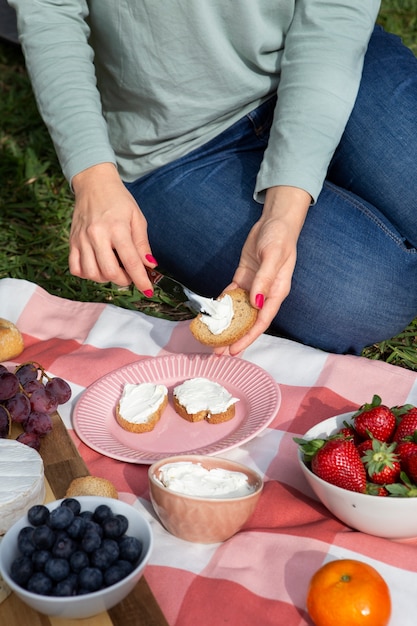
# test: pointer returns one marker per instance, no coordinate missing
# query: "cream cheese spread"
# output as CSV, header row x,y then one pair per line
x,y
192,479
202,394
216,314
138,402
22,483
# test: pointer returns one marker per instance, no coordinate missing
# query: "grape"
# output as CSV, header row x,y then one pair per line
x,y
4,423
41,400
9,385
59,389
39,423
30,439
26,373
3,368
18,407
32,385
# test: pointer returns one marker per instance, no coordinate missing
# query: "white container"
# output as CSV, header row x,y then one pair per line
x,y
382,516
77,607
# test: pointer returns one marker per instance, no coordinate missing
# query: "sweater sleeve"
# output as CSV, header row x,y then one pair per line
x,y
320,75
60,62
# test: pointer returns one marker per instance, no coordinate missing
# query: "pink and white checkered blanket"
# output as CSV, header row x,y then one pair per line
x,y
260,576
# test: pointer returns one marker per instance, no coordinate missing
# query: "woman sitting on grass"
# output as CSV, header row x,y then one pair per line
x,y
269,145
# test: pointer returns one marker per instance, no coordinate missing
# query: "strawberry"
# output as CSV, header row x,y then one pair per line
x,y
337,461
407,427
382,463
365,445
374,420
348,432
376,490
410,467
404,449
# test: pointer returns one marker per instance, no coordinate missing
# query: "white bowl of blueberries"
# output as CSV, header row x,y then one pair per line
x,y
76,557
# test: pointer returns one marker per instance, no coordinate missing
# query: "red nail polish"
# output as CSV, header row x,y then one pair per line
x,y
151,259
148,293
259,300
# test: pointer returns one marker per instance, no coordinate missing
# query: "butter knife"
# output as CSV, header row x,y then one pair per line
x,y
177,290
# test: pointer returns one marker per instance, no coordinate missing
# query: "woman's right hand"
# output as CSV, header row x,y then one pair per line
x,y
108,238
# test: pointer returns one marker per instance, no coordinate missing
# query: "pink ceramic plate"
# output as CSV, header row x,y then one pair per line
x,y
259,399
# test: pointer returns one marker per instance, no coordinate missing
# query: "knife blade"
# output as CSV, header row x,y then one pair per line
x,y
176,290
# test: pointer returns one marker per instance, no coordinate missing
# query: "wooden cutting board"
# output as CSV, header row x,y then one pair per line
x,y
63,463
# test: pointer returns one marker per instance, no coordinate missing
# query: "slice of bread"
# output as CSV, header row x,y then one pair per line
x,y
11,340
91,486
199,399
211,418
244,317
148,420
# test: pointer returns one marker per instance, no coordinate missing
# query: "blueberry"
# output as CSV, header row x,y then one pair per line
x,y
87,515
72,504
21,570
43,537
40,583
63,548
77,527
57,569
112,527
60,535
66,587
102,512
38,514
25,542
90,579
39,558
25,532
78,560
124,522
61,517
91,525
119,570
100,558
112,548
130,549
91,541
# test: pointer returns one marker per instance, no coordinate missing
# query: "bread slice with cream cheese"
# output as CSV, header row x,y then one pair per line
x,y
244,316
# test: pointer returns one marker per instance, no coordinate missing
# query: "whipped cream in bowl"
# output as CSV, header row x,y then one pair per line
x,y
192,479
204,499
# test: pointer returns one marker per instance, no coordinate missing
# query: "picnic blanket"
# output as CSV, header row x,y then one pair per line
x,y
259,576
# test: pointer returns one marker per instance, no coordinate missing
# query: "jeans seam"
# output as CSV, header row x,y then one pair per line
x,y
362,207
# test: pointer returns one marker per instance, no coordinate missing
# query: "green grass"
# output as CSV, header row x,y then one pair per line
x,y
36,204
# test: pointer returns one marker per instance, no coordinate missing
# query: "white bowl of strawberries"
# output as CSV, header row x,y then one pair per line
x,y
363,467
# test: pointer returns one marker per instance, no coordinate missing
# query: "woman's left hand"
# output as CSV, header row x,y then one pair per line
x,y
268,258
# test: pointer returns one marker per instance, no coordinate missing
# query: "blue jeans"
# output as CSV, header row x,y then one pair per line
x,y
355,281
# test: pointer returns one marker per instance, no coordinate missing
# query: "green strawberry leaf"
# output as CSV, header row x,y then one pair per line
x,y
309,447
376,401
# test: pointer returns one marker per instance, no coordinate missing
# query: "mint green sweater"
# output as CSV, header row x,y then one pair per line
x,y
142,82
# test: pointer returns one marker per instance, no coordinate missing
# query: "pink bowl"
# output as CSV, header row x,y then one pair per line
x,y
201,519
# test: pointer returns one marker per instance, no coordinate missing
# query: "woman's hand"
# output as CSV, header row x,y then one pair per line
x,y
108,239
268,257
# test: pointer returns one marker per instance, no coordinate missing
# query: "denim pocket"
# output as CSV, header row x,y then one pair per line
x,y
261,118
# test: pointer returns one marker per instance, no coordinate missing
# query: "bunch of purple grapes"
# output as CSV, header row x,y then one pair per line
x,y
28,396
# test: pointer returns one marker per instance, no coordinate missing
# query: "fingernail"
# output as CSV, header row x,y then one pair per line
x,y
151,259
259,300
148,293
